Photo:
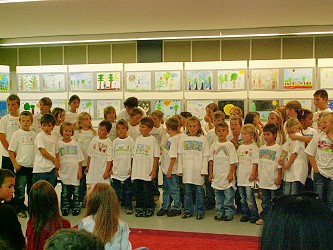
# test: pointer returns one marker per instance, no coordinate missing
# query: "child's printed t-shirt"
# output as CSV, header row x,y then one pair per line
x,y
100,152
299,169
247,156
133,131
84,138
22,143
36,126
8,126
56,132
194,151
70,156
113,132
169,150
268,166
222,154
49,143
309,132
158,133
122,158
211,137
145,150
72,117
322,148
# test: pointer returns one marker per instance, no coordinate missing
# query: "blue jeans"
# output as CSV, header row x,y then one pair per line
x,y
23,178
171,191
67,202
51,177
267,196
197,191
143,195
125,190
322,185
210,195
295,187
83,185
225,202
248,202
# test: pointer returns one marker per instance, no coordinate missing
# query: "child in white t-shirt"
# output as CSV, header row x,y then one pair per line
x,y
59,115
70,171
74,104
133,125
45,105
122,165
222,165
320,100
100,153
111,116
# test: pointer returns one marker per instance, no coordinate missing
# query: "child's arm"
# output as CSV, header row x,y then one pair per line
x,y
111,172
172,163
204,169
291,160
12,156
313,163
88,164
279,178
107,170
153,171
300,138
254,172
180,164
79,171
231,172
210,166
235,141
50,157
282,157
4,141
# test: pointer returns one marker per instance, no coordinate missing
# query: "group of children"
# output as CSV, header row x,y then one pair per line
x,y
204,163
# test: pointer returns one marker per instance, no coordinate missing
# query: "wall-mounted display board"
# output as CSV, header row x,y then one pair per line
x,y
325,73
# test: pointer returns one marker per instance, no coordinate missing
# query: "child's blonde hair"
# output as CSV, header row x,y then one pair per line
x,y
109,109
78,125
172,123
158,114
293,122
66,124
282,110
280,126
238,110
136,111
195,119
103,205
213,106
56,112
123,123
218,114
326,114
251,129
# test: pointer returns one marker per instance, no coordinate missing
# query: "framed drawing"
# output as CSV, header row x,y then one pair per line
x,y
60,104
108,81
199,80
264,79
87,106
101,104
168,107
30,105
146,105
326,78
81,81
3,108
138,81
227,105
4,82
168,80
28,83
298,78
54,82
197,107
231,79
263,107
330,104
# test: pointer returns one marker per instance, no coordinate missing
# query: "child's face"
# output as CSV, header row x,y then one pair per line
x,y
86,122
25,122
319,101
234,113
102,132
246,136
222,133
74,105
269,137
121,131
144,130
67,132
62,117
218,120
326,124
193,128
291,113
47,128
184,121
111,116
44,109
235,126
308,120
12,107
293,130
209,112
7,189
135,119
156,120
273,119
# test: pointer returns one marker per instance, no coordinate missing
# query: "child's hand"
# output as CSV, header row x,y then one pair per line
x,y
168,175
17,166
281,161
57,172
86,171
57,163
207,119
210,177
153,174
252,177
315,170
230,177
278,181
106,175
79,175
293,137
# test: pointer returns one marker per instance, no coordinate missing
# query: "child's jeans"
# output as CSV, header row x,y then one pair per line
x,y
323,185
124,189
83,185
66,202
267,196
171,191
23,179
143,195
197,191
248,202
225,200
51,177
295,187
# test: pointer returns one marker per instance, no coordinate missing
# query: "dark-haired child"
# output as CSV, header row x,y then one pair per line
x,y
320,99
45,105
74,104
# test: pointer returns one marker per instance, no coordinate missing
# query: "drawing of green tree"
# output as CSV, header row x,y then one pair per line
x,y
110,79
189,83
26,106
34,83
196,83
159,84
176,107
210,82
159,106
220,80
88,105
233,78
100,79
83,82
167,77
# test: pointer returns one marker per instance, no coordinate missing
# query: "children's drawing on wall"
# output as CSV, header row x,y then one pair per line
x,y
199,80
231,79
82,81
146,106
28,83
298,78
87,106
3,108
4,82
138,81
227,105
108,81
263,107
306,103
54,82
197,107
168,107
101,104
168,80
326,78
30,105
265,79
59,104
330,104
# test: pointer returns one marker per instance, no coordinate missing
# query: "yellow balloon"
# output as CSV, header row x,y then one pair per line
x,y
227,108
274,102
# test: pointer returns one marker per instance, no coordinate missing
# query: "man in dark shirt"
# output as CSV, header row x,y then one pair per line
x,y
10,227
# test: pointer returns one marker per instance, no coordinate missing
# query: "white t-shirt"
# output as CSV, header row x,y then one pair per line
x,y
70,156
22,143
309,132
49,143
122,158
113,132
158,133
124,115
204,126
211,137
72,117
169,150
100,152
36,126
268,166
56,132
316,117
247,156
8,126
299,169
133,131
84,137
145,150
322,148
193,158
223,154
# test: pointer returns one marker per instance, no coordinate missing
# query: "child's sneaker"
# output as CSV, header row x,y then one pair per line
x,y
75,212
244,219
139,213
218,217
200,216
173,213
149,213
228,218
65,212
129,211
162,212
186,215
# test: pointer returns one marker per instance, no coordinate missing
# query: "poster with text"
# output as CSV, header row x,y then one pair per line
x,y
108,81
264,79
102,104
4,82
28,83
227,105
168,80
82,81
138,81
231,79
54,82
168,107
298,78
199,80
197,107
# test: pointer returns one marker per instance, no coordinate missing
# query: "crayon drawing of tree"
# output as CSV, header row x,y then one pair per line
x,y
100,79
110,79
